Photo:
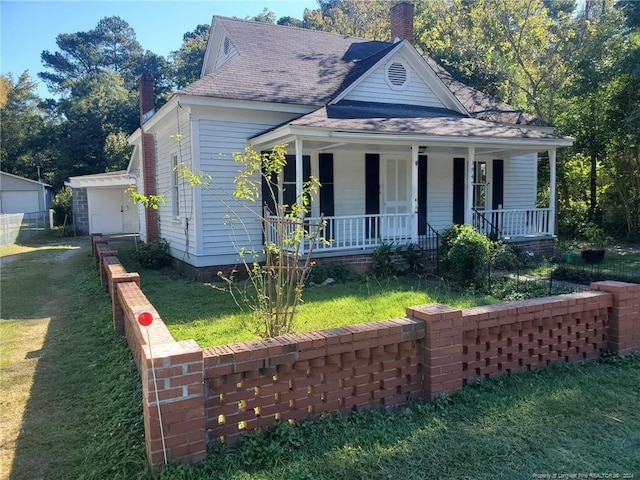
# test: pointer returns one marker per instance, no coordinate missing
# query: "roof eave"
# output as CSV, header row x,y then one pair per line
x,y
288,132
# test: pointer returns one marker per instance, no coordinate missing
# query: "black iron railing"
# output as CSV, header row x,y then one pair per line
x,y
429,242
485,226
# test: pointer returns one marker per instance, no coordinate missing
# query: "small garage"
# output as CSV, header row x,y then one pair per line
x,y
102,204
22,195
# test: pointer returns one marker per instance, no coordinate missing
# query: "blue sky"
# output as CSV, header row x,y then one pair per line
x,y
29,27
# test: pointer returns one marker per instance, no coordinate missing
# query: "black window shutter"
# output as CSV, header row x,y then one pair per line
x,y
372,188
458,190
325,176
422,194
498,184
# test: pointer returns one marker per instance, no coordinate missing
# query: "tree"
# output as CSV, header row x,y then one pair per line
x,y
290,22
99,106
186,62
266,16
112,45
359,18
96,74
22,123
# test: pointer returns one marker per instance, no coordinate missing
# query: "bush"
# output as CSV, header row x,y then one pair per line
x,y
62,205
153,255
505,257
382,261
465,256
414,258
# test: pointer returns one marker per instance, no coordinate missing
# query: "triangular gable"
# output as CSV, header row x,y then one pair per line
x,y
216,54
402,77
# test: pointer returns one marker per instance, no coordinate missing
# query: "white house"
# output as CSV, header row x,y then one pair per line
x,y
402,150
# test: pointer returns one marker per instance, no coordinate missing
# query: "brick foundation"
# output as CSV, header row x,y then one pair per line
x,y
360,263
542,247
219,393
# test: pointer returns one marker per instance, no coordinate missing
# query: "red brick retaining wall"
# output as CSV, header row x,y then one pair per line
x,y
218,393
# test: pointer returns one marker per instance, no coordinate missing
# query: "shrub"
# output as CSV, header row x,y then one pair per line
x,y
414,258
382,261
505,257
62,205
153,255
465,256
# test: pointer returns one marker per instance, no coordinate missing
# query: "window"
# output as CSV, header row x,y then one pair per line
x,y
286,184
480,185
175,185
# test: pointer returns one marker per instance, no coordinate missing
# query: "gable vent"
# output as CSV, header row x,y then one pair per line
x,y
226,51
397,74
226,45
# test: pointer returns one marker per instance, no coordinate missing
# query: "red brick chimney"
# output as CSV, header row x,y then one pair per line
x,y
402,21
147,103
147,98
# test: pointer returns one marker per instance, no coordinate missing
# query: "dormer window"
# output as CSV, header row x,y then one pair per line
x,y
397,75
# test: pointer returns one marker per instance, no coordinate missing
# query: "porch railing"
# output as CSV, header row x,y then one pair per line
x,y
353,231
513,223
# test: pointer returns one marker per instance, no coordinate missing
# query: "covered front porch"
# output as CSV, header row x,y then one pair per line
x,y
406,185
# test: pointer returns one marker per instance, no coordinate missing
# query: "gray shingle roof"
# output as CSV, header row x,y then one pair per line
x,y
409,119
308,67
283,64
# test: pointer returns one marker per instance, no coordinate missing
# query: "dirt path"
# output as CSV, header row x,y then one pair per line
x,y
33,291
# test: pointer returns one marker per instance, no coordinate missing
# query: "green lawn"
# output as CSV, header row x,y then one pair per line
x,y
211,317
70,403
83,414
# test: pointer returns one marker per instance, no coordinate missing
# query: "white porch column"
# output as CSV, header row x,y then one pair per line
x,y
414,192
299,170
468,212
552,191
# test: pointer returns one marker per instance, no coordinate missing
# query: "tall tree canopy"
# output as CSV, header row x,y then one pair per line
x,y
96,75
187,60
23,122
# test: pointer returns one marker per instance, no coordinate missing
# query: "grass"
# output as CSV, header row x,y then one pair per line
x,y
82,415
209,315
570,419
71,402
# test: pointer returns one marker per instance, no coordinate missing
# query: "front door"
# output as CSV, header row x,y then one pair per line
x,y
396,197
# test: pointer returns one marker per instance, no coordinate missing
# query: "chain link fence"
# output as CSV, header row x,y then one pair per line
x,y
19,226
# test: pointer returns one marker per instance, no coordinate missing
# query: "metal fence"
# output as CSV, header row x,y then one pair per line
x,y
18,226
566,272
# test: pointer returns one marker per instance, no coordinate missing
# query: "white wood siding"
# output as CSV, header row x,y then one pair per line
x,y
520,181
439,191
174,137
221,134
374,88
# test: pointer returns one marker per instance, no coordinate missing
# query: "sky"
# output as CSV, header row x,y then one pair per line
x,y
28,27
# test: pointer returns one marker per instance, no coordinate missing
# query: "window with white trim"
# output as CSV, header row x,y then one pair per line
x,y
175,186
480,185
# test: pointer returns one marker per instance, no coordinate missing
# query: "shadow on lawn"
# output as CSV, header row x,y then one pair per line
x,y
85,383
